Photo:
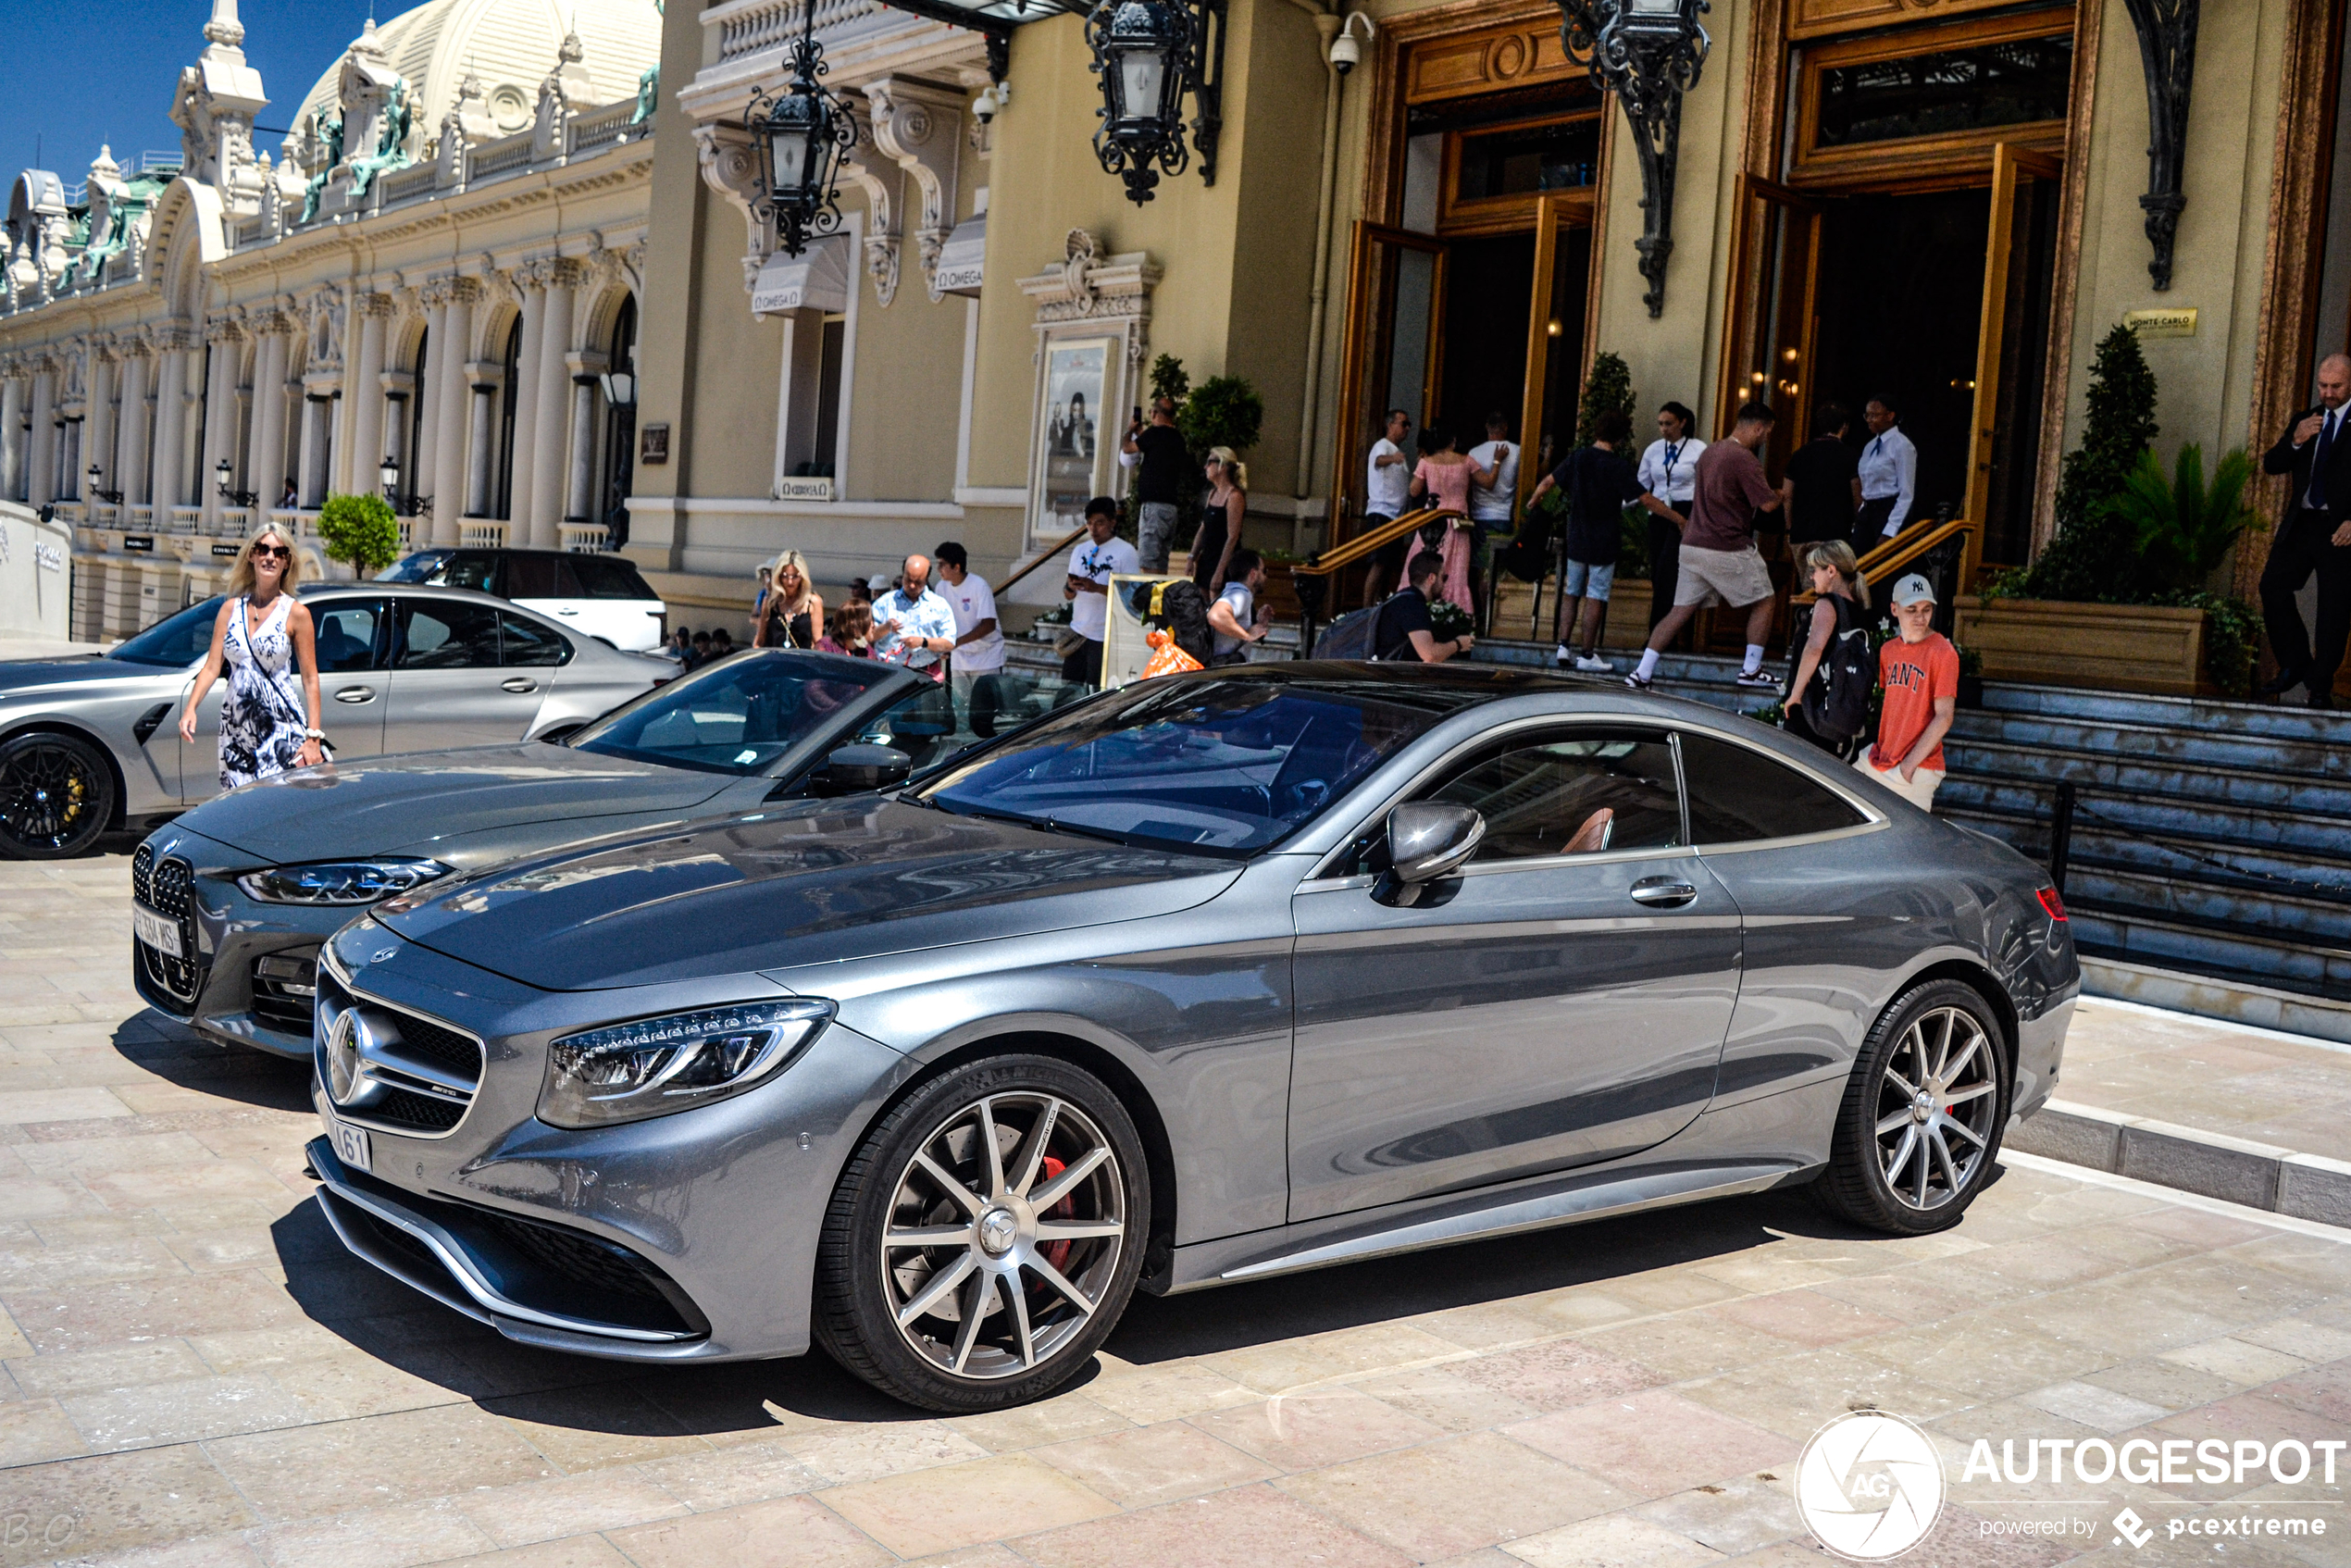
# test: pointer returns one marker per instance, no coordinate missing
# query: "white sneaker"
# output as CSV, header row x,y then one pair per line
x,y
1592,664
1757,679
1562,657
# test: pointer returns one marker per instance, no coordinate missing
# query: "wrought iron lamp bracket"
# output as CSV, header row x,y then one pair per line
x,y
1649,69
2167,49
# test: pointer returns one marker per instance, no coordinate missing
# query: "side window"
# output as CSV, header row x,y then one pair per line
x,y
439,634
346,634
527,642
922,726
1573,793
535,575
467,570
1737,795
606,577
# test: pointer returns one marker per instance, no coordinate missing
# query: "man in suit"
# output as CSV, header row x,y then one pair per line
x,y
2315,538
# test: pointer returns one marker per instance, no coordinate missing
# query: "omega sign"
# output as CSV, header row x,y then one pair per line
x,y
138,544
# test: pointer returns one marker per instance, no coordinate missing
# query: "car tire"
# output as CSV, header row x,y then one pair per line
x,y
997,1300
57,796
1911,1152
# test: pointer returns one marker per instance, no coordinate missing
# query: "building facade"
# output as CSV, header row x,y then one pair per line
x,y
1946,204
430,282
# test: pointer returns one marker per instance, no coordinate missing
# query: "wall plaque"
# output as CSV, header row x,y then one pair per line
x,y
652,445
2172,321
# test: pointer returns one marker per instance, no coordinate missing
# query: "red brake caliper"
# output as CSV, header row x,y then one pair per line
x,y
1057,1252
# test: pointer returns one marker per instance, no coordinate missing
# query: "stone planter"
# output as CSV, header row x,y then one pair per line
x,y
2114,647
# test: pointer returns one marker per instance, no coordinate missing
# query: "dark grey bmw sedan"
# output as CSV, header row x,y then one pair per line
x,y
1205,979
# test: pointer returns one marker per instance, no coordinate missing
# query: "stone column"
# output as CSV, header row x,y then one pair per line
x,y
579,503
97,429
219,423
486,377
364,395
549,407
12,439
452,495
532,281
399,386
318,443
425,458
171,414
76,482
40,474
265,469
131,431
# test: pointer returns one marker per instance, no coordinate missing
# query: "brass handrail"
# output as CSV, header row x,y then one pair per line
x,y
1891,555
1338,556
1067,539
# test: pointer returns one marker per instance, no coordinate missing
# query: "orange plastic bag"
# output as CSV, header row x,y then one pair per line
x,y
1166,658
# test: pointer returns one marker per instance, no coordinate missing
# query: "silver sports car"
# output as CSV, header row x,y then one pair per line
x,y
1201,980
92,741
234,898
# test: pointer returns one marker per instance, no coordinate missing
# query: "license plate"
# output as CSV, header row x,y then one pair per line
x,y
158,931
350,1144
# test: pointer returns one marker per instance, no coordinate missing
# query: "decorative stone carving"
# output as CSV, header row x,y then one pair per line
x,y
1086,286
878,175
467,122
214,107
323,313
916,126
731,166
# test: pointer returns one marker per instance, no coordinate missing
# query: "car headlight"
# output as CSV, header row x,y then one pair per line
x,y
341,881
656,1065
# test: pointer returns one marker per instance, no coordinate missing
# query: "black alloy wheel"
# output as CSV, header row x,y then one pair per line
x,y
1920,1126
985,1236
57,796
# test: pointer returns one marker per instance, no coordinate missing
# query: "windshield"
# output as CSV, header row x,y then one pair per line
x,y
1218,764
738,716
174,641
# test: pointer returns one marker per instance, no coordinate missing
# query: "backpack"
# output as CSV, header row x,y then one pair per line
x,y
1182,609
1350,637
1838,702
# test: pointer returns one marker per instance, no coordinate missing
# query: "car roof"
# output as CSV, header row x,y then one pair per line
x,y
419,590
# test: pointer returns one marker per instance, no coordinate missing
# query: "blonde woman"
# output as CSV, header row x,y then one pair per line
x,y
1841,594
793,616
1220,520
269,714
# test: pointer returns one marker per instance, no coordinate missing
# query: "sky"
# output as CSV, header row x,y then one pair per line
x,y
74,76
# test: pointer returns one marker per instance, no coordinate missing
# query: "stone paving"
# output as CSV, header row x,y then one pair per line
x,y
2247,1083
192,1373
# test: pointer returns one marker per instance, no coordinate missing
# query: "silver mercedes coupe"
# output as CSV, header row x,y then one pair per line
x,y
1201,980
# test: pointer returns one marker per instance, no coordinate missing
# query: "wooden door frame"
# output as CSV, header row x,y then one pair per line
x,y
2008,163
1745,295
1352,445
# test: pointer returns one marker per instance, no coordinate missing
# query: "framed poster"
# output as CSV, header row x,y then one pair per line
x,y
1074,431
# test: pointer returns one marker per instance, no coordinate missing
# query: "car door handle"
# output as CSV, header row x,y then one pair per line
x,y
567,612
356,694
519,684
1662,892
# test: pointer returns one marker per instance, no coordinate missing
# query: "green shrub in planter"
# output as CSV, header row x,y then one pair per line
x,y
361,530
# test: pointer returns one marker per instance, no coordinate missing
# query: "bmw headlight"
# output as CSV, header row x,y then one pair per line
x,y
656,1065
341,881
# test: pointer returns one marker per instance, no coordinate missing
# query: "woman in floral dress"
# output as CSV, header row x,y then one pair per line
x,y
269,714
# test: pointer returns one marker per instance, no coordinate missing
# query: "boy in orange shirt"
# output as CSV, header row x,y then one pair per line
x,y
1920,673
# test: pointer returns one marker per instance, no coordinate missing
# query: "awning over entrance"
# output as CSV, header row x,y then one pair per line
x,y
817,278
960,257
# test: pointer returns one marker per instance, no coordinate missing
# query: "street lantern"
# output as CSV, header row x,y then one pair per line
x,y
224,475
1150,54
620,389
802,135
1648,53
389,472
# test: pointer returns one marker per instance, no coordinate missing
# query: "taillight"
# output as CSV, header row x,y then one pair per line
x,y
2052,903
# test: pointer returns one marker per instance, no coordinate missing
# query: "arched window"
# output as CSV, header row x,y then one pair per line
x,y
513,378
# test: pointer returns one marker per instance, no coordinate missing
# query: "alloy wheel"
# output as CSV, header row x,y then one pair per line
x,y
1004,1236
1936,1103
47,793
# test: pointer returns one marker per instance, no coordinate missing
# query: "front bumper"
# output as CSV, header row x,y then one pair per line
x,y
690,1236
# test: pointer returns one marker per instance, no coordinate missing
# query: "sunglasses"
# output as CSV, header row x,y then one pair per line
x,y
273,551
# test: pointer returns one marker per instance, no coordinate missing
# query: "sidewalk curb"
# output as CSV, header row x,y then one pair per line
x,y
2212,1164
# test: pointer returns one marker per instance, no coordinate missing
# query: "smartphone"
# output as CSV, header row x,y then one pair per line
x,y
1138,414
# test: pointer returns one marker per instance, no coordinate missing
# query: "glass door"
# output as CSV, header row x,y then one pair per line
x,y
1395,345
2011,358
1774,319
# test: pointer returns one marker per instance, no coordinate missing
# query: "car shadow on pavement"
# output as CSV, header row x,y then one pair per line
x,y
409,1331
179,1055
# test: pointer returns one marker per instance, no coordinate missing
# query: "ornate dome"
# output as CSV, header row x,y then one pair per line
x,y
511,45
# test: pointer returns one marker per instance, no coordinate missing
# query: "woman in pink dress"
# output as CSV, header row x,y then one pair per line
x,y
1444,474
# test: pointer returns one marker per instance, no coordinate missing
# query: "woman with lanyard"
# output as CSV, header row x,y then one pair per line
x,y
1669,479
263,638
